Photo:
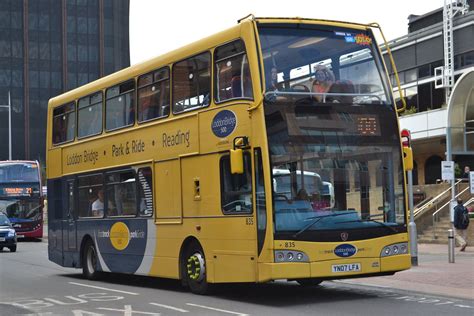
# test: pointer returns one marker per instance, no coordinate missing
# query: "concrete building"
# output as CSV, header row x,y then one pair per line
x,y
417,55
48,47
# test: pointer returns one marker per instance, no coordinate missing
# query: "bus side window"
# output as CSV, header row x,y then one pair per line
x,y
232,73
89,115
154,95
145,191
236,189
91,196
64,123
119,105
192,83
121,194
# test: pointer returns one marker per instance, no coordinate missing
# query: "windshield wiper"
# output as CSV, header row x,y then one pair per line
x,y
317,219
370,220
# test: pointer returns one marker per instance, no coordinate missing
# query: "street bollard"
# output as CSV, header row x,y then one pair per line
x,y
451,244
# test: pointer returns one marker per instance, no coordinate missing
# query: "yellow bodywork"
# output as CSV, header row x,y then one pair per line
x,y
229,241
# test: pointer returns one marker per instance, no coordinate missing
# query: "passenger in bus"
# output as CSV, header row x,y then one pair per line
x,y
323,80
274,85
146,110
236,86
98,205
302,195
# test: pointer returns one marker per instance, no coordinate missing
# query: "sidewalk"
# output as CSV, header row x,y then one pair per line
x,y
434,274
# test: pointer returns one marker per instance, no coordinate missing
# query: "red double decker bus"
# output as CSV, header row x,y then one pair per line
x,y
21,196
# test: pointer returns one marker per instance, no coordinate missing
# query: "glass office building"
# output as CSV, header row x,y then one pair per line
x,y
48,47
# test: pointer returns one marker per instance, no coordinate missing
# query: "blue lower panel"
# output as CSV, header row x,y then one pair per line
x,y
120,243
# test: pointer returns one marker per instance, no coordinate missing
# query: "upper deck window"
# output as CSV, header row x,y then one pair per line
x,y
89,115
64,123
119,106
232,73
192,83
154,95
325,63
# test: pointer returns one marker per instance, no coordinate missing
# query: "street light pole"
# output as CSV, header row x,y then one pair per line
x,y
9,106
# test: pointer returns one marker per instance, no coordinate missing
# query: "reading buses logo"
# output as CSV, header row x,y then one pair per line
x,y
224,123
120,235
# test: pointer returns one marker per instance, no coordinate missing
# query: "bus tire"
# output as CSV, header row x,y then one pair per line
x,y
309,282
13,249
194,269
89,261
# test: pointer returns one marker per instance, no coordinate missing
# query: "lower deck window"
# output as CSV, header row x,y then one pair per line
x,y
236,189
91,196
121,194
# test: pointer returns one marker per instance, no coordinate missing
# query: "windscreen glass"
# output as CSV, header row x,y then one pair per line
x,y
332,132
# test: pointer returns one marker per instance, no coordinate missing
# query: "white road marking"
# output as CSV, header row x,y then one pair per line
x,y
171,307
216,309
103,288
127,311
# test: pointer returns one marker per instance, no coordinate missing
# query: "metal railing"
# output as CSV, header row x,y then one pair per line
x,y
433,202
468,202
435,216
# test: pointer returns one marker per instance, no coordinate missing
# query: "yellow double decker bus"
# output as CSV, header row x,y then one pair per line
x,y
268,151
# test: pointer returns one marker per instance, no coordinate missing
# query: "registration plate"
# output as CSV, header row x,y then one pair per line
x,y
349,267
2,239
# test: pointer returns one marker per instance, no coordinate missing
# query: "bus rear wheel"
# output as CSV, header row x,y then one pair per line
x,y
194,269
89,261
309,282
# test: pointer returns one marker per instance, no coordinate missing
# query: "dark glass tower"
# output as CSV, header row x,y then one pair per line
x,y
48,47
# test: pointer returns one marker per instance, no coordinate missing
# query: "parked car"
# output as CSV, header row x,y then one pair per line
x,y
7,234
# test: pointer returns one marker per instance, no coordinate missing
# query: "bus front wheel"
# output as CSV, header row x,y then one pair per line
x,y
194,269
89,261
309,282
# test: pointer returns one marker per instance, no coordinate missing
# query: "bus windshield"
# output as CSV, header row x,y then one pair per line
x,y
17,172
332,133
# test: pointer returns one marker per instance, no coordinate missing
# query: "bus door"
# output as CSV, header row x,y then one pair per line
x,y
70,222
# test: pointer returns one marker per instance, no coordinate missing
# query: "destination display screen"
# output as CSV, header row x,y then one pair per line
x,y
18,190
367,125
13,191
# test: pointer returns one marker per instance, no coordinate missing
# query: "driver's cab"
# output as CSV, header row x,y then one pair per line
x,y
236,188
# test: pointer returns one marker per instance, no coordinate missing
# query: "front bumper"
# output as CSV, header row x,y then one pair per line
x,y
8,242
324,269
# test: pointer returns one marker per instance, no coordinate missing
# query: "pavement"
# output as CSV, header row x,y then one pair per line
x,y
434,274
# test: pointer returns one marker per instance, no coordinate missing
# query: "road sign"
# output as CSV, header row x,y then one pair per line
x,y
471,181
447,170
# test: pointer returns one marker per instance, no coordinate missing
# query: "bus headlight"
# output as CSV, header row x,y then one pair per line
x,y
290,256
395,249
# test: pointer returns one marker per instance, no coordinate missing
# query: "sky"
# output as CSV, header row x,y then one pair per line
x,y
159,26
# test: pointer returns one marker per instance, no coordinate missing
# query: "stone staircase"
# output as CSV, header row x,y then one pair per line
x,y
438,234
428,235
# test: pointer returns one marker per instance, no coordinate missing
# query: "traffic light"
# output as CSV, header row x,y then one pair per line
x,y
407,151
405,134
